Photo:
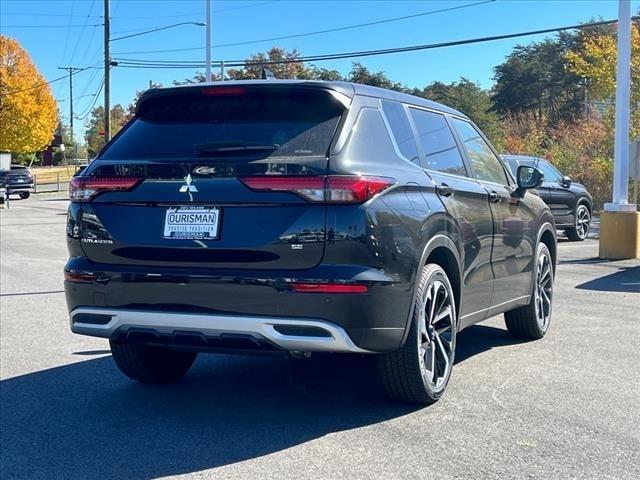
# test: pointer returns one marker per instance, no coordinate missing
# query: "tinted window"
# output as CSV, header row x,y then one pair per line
x,y
401,129
485,164
440,149
275,130
549,172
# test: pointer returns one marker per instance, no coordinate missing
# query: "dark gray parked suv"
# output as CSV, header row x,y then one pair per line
x,y
569,201
303,216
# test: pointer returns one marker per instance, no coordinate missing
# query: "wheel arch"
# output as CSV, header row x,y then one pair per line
x,y
441,250
547,235
585,201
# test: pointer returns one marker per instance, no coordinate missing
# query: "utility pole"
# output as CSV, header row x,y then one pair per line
x,y
71,71
107,74
208,41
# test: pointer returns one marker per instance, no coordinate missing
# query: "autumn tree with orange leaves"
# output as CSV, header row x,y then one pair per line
x,y
28,114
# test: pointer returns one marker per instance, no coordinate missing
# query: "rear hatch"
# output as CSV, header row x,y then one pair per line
x,y
187,173
18,176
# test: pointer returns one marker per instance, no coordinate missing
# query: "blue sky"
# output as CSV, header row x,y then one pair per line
x,y
60,33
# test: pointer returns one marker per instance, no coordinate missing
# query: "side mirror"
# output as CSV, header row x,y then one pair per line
x,y
529,177
566,181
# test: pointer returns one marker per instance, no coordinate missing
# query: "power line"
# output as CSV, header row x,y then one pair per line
x,y
157,29
75,48
42,84
198,14
35,14
53,26
318,32
131,63
88,110
360,25
138,17
66,44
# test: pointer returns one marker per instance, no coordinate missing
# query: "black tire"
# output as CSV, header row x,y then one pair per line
x,y
151,364
530,322
404,373
582,224
24,195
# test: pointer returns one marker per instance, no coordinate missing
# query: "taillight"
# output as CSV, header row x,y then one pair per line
x,y
328,287
83,189
221,91
329,189
76,277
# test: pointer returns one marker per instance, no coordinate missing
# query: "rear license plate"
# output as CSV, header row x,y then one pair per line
x,y
191,223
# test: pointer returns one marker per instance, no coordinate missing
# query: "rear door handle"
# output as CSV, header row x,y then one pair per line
x,y
445,190
494,197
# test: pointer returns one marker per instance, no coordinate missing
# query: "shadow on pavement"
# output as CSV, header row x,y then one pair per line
x,y
480,338
85,420
627,279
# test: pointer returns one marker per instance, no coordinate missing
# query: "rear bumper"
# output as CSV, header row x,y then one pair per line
x,y
19,187
222,302
284,333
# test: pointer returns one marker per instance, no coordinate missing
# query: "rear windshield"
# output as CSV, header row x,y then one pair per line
x,y
278,130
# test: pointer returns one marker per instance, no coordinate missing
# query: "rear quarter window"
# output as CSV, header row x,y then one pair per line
x,y
401,129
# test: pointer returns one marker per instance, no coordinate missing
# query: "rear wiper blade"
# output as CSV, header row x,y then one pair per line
x,y
217,148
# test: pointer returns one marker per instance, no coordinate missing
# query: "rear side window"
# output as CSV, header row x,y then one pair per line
x,y
271,130
551,175
485,164
401,129
440,148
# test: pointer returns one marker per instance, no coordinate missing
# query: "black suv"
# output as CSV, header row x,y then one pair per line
x,y
570,202
303,216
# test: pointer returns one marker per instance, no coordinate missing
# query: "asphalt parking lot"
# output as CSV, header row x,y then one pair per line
x,y
562,407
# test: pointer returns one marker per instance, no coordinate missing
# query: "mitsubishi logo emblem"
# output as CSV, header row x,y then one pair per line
x,y
187,187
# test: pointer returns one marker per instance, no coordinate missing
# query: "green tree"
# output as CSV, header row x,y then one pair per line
x,y
535,82
95,132
254,64
361,74
470,99
594,61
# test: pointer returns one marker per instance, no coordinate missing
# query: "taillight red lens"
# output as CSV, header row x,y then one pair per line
x,y
330,189
355,189
84,189
329,288
80,277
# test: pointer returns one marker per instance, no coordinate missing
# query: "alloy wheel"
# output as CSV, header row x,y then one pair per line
x,y
436,348
583,219
544,291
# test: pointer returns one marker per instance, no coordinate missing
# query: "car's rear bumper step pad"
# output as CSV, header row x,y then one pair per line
x,y
286,333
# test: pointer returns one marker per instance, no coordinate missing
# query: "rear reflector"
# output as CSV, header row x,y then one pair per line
x,y
329,288
329,189
83,189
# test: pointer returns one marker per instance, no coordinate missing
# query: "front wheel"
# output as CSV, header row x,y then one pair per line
x,y
531,321
151,364
419,371
583,221
24,195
